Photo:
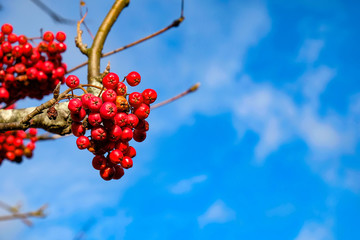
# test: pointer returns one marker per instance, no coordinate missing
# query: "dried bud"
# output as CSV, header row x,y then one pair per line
x,y
52,113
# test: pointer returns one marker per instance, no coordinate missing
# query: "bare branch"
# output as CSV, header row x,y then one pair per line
x,y
39,213
99,40
15,209
56,17
175,23
190,90
78,39
44,137
82,4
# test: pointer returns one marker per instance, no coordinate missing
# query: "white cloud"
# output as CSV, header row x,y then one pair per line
x,y
186,185
105,226
281,211
314,82
216,213
310,50
315,231
352,180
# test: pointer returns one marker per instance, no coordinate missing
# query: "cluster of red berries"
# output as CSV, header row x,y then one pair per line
x,y
27,70
113,119
12,145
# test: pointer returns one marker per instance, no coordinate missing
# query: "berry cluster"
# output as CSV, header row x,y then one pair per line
x,y
12,145
114,119
27,70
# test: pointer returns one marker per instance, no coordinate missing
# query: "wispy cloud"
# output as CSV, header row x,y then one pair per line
x,y
315,231
310,50
216,213
186,185
281,211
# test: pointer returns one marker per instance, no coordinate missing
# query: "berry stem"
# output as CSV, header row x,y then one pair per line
x,y
190,90
175,23
78,39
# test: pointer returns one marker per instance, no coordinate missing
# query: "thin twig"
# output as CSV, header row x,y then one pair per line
x,y
56,17
190,90
15,209
175,23
44,137
78,39
39,213
82,4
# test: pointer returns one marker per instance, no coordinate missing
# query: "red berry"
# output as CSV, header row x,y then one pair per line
x,y
122,146
75,105
42,47
85,99
52,47
60,36
120,119
61,47
99,162
48,36
6,47
108,123
107,173
116,156
94,119
48,67
119,172
27,49
139,136
126,162
135,99
110,80
149,96
32,132
7,28
82,142
22,39
142,111
132,120
130,152
95,104
133,79
72,81
17,51
98,133
77,129
115,133
127,134
143,125
21,134
31,146
31,73
4,94
19,152
12,38
10,139
121,89
10,155
109,96
108,110
78,117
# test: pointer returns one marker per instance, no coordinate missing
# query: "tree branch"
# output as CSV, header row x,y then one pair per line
x,y
175,23
39,213
99,40
78,39
190,90
56,17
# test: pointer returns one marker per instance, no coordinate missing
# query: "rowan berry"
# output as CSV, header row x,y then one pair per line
x,y
72,81
133,78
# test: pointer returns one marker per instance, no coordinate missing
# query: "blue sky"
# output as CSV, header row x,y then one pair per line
x,y
267,148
